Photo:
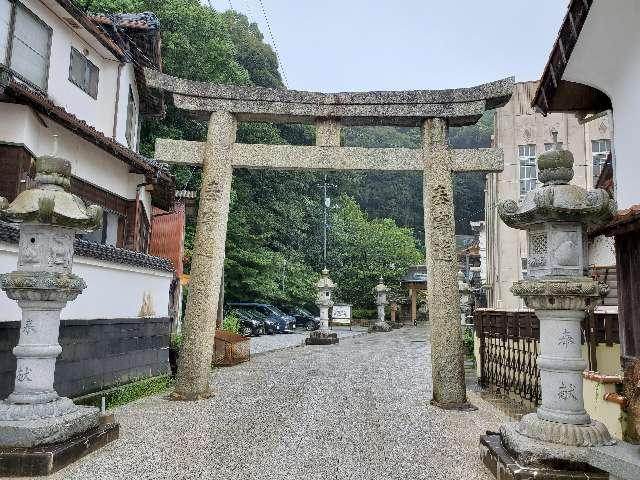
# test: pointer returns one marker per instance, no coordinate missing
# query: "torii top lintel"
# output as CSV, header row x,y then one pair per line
x,y
460,106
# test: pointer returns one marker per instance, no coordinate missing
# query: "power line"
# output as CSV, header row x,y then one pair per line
x,y
275,46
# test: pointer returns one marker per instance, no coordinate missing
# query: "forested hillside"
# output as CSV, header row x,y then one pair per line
x,y
274,242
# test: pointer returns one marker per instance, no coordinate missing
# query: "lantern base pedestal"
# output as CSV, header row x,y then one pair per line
x,y
380,327
593,434
47,459
320,337
534,460
20,431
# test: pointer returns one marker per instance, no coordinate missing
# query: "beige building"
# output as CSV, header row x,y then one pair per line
x,y
523,134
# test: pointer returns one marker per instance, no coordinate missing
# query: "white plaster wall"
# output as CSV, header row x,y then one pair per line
x,y
145,197
602,251
20,125
607,57
96,112
101,111
113,290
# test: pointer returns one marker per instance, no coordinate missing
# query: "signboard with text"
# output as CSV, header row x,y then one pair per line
x,y
341,315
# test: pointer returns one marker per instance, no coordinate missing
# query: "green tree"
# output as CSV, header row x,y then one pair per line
x,y
363,250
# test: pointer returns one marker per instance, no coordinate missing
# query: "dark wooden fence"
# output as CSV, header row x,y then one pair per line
x,y
96,354
509,346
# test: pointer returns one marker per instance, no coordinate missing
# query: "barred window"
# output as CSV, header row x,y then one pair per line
x,y
528,173
30,45
83,73
600,150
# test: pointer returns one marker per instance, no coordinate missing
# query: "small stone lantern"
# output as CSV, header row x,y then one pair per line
x,y
556,217
49,217
381,301
465,297
323,336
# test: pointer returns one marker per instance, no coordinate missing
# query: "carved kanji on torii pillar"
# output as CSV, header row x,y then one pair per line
x,y
432,110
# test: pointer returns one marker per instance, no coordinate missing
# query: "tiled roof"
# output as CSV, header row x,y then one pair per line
x,y
155,172
86,22
84,248
186,194
625,220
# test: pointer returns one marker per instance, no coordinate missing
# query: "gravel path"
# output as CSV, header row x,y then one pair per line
x,y
270,343
357,410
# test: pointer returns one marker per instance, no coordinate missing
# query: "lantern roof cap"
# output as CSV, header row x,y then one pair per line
x,y
557,200
50,201
325,282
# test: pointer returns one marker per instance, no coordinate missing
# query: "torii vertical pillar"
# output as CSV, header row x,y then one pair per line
x,y
447,350
207,263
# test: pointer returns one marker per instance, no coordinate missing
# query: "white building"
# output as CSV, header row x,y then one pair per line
x,y
77,78
523,134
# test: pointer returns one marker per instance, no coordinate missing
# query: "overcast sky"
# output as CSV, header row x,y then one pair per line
x,y
342,45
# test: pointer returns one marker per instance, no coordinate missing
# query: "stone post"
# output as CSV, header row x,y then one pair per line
x,y
447,350
393,308
49,217
328,132
381,302
207,264
323,336
556,217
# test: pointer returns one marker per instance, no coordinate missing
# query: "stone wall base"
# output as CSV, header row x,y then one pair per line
x,y
45,460
504,465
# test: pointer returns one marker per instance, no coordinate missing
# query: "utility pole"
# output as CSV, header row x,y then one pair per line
x,y
326,203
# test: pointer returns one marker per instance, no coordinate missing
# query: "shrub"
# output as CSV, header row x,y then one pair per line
x,y
231,323
364,313
468,340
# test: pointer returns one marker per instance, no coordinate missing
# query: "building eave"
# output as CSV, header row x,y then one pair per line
x,y
555,94
85,21
163,195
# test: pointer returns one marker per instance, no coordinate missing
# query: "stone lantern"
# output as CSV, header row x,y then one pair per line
x,y
465,298
556,217
381,301
49,216
323,336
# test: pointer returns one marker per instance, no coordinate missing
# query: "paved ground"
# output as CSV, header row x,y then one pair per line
x,y
270,343
357,410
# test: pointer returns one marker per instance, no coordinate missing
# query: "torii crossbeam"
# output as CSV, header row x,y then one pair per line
x,y
433,110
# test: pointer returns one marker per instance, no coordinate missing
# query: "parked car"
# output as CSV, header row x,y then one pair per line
x,y
271,325
285,323
303,317
249,325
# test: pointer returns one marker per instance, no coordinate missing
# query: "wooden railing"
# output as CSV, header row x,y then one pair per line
x,y
509,347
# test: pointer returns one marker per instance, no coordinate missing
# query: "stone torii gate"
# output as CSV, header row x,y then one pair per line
x,y
432,110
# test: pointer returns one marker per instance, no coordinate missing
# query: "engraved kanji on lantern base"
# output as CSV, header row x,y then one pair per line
x,y
556,217
323,336
381,302
34,415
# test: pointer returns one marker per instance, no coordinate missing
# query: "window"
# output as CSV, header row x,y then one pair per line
x,y
131,119
30,44
528,174
108,234
83,73
549,146
600,151
5,28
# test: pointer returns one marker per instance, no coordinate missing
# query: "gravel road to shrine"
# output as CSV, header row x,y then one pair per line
x,y
357,410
